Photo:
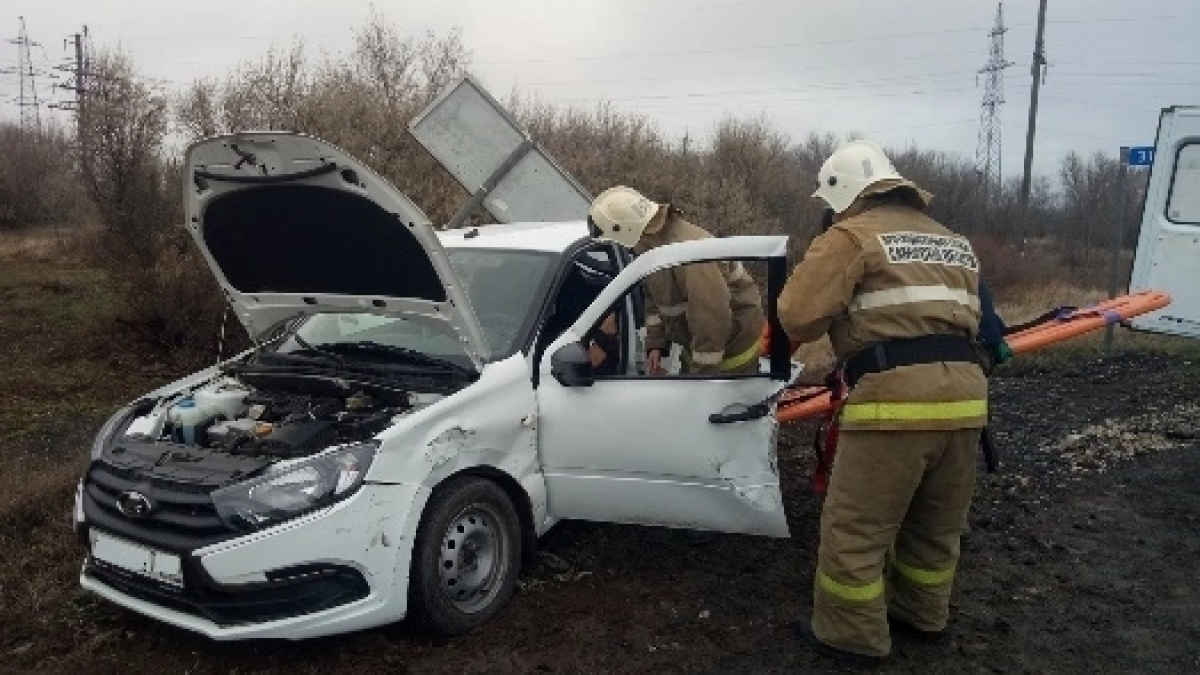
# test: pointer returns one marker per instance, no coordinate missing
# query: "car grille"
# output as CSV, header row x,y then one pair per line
x,y
182,517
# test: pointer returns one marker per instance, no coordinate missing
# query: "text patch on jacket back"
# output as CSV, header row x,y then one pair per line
x,y
918,247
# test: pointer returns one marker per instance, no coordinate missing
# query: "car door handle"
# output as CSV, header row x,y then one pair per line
x,y
747,413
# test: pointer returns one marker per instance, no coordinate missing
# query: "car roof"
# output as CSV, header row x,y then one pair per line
x,y
550,237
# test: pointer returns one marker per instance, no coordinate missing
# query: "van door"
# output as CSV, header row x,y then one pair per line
x,y
1167,257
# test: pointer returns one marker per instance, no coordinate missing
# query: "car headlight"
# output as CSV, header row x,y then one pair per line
x,y
296,488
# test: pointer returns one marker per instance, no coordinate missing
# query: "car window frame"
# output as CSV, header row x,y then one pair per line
x,y
550,294
1171,186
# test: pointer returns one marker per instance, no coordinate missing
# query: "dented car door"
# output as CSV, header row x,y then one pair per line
x,y
690,452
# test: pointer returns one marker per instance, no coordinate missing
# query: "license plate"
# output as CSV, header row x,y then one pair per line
x,y
141,560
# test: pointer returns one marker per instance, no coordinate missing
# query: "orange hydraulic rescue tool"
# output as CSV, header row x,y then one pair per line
x,y
803,403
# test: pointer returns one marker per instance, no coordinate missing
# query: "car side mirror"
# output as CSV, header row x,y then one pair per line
x,y
571,366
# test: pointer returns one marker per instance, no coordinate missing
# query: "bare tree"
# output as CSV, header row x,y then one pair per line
x,y
122,127
360,102
38,180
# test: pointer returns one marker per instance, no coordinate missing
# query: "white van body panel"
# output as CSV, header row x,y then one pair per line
x,y
1167,257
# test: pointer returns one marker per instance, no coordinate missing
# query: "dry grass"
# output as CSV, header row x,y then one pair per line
x,y
63,370
1017,305
60,244
61,363
1022,303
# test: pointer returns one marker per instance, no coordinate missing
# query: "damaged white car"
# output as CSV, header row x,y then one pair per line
x,y
419,408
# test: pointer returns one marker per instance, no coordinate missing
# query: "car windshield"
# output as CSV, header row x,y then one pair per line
x,y
504,288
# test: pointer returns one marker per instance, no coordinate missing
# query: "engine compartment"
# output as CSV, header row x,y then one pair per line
x,y
275,415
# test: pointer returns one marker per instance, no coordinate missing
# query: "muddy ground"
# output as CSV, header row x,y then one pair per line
x,y
1082,556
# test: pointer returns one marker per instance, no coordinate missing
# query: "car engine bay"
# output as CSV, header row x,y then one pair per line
x,y
271,415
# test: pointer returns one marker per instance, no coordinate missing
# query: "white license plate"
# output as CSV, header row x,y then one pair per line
x,y
157,565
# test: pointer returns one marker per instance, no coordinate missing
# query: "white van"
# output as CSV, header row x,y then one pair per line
x,y
1168,249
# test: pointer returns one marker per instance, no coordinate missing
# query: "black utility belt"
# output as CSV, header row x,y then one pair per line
x,y
891,354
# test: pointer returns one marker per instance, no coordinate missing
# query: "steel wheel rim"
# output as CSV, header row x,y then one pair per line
x,y
474,560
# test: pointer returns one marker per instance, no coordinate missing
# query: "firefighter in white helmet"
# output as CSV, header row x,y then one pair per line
x,y
898,295
713,310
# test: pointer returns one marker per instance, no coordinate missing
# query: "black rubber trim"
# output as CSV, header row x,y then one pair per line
x,y
754,412
778,350
266,180
330,586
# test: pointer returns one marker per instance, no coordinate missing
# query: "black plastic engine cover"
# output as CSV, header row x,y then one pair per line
x,y
181,463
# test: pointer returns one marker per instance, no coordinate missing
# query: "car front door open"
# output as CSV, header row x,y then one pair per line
x,y
690,452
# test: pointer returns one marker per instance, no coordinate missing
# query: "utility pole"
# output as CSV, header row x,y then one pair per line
x,y
1118,239
79,89
1038,70
77,66
31,120
989,147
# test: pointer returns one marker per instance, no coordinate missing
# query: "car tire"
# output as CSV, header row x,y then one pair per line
x,y
466,556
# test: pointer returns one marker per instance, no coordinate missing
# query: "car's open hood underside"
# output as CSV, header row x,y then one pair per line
x,y
293,226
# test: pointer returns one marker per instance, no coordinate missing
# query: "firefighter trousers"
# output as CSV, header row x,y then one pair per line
x,y
890,527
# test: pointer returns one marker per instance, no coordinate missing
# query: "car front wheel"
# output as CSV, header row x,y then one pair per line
x,y
466,557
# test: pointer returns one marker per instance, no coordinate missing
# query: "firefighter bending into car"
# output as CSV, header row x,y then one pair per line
x,y
898,295
713,310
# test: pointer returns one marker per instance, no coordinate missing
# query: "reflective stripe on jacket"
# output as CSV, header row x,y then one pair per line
x,y
888,273
713,309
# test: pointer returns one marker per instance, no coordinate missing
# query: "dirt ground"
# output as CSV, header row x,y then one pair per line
x,y
1081,558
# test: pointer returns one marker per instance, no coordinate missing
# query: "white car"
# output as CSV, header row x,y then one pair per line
x,y
418,410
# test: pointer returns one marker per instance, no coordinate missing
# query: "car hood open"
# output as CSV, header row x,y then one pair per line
x,y
293,226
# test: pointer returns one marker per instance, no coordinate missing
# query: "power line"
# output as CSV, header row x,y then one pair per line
x,y
1105,64
724,102
878,84
781,71
1138,83
690,9
726,50
1125,19
1124,105
1081,134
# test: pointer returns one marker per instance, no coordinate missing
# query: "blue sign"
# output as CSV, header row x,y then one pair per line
x,y
1143,156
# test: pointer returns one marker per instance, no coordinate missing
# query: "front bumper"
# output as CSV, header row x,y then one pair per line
x,y
340,569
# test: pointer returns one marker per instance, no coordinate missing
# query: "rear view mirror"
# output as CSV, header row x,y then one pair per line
x,y
571,366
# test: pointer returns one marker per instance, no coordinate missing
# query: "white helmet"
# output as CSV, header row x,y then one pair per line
x,y
852,169
621,214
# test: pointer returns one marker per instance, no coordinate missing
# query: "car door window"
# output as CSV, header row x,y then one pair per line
x,y
583,278
701,313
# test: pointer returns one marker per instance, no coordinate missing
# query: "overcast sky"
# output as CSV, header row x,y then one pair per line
x,y
901,71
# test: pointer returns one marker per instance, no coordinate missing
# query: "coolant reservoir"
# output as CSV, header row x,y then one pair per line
x,y
184,417
222,399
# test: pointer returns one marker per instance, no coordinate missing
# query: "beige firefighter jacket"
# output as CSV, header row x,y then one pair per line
x,y
891,272
713,310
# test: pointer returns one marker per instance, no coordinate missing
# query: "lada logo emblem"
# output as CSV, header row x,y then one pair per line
x,y
134,504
